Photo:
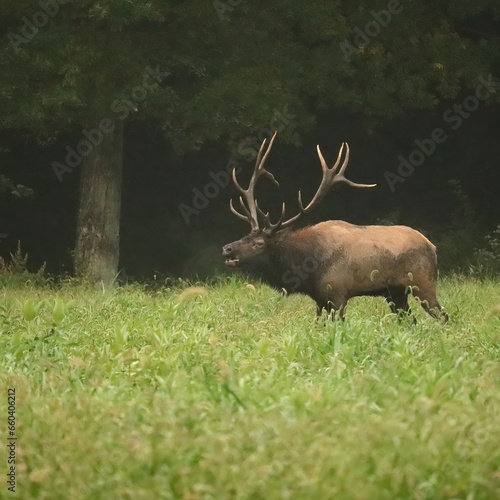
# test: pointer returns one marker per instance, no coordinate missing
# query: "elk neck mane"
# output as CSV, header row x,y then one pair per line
x,y
296,245
288,250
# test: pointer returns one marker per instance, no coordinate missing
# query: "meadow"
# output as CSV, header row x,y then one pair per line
x,y
231,390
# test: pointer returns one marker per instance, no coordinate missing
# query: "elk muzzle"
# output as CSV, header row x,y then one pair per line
x,y
228,252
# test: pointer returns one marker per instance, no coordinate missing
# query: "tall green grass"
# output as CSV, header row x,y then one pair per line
x,y
233,391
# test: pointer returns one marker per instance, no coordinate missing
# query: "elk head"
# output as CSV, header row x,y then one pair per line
x,y
251,250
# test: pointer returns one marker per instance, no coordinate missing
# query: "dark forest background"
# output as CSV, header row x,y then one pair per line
x,y
226,90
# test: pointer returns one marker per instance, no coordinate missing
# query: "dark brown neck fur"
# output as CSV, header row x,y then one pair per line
x,y
292,261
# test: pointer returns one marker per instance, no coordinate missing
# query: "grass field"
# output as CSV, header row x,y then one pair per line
x,y
233,391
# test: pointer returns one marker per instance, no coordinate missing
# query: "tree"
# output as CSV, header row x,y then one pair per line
x,y
89,67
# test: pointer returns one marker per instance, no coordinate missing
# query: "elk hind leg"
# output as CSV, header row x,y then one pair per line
x,y
429,302
331,308
397,299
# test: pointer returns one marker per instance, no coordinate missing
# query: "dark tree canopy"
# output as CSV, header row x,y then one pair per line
x,y
225,68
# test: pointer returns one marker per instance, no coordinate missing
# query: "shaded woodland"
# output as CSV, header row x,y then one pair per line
x,y
120,123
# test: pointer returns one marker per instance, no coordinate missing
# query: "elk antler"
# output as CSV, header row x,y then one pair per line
x,y
331,176
250,210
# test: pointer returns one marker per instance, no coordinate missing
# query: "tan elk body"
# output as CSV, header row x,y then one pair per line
x,y
333,261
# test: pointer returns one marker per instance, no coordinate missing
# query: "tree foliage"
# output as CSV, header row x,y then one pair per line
x,y
230,64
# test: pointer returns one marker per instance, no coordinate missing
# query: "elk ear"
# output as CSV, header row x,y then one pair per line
x,y
272,231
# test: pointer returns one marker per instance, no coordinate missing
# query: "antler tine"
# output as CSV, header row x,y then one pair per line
x,y
236,183
334,171
261,162
301,205
265,216
259,168
340,177
250,217
235,212
261,149
346,159
331,176
250,210
243,206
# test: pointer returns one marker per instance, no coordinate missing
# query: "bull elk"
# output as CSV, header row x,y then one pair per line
x,y
333,261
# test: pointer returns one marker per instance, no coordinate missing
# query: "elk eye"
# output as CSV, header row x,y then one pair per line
x,y
258,244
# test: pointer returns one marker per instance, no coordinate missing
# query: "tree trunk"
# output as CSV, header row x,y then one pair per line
x,y
98,224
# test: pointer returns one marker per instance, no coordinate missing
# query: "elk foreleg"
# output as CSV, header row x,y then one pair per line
x,y
397,299
331,308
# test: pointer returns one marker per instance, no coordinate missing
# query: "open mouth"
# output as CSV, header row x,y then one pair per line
x,y
232,262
